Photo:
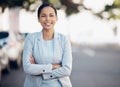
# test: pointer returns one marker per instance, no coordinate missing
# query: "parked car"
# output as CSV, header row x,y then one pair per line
x,y
4,61
14,50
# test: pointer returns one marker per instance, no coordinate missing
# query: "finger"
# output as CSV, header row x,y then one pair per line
x,y
30,61
31,56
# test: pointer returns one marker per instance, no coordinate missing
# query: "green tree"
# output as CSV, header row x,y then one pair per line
x,y
69,6
113,11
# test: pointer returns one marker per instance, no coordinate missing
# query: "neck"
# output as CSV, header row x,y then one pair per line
x,y
48,34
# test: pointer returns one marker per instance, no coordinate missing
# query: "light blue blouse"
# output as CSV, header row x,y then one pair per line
x,y
46,53
48,49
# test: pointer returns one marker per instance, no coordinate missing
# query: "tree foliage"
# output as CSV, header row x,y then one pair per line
x,y
113,11
69,6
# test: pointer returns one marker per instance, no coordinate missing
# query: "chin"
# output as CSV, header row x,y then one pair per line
x,y
48,28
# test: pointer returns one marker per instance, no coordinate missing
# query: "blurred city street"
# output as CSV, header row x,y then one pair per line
x,y
92,67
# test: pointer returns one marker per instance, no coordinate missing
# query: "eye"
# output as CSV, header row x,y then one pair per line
x,y
51,15
43,16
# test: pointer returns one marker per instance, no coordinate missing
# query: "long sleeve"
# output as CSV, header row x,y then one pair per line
x,y
66,68
33,69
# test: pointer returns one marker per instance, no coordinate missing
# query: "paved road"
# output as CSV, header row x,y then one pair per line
x,y
92,67
96,67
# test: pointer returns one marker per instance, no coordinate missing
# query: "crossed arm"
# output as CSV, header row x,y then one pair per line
x,y
48,71
54,66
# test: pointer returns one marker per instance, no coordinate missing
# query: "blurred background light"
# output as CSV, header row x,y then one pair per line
x,y
84,27
97,5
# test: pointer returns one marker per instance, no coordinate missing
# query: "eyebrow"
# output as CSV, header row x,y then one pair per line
x,y
45,13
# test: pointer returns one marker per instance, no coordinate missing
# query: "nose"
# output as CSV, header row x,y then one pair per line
x,y
47,18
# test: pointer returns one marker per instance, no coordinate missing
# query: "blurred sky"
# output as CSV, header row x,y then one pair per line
x,y
83,27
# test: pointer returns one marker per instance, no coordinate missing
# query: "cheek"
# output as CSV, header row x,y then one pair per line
x,y
55,21
40,21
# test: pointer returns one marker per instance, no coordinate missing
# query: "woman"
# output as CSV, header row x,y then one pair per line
x,y
47,58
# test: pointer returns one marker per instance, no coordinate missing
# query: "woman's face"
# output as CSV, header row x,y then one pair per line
x,y
47,18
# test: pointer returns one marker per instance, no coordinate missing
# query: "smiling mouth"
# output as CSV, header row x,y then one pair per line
x,y
48,24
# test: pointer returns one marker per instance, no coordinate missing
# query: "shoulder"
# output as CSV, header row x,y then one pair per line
x,y
62,37
33,35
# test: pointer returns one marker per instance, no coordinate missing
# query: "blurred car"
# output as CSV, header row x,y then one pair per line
x,y
14,50
4,61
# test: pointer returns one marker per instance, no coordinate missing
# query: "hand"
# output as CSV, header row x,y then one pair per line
x,y
55,66
32,60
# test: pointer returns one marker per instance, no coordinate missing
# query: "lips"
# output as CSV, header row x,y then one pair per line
x,y
47,24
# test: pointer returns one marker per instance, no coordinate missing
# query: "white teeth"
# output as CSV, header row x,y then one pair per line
x,y
47,24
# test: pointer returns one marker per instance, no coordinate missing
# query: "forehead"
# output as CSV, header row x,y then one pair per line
x,y
47,10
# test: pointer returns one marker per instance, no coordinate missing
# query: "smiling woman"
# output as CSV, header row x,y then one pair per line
x,y
47,17
47,57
